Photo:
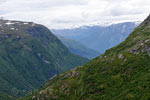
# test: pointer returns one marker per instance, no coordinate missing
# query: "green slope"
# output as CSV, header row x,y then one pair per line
x,y
4,96
122,73
30,55
79,49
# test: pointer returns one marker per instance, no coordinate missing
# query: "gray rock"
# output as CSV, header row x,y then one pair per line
x,y
148,51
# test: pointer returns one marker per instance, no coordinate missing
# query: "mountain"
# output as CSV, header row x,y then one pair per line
x,y
99,38
79,49
121,73
30,55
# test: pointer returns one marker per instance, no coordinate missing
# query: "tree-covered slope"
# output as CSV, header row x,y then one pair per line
x,y
30,55
122,73
79,49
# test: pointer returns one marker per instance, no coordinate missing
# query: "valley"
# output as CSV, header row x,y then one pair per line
x,y
121,73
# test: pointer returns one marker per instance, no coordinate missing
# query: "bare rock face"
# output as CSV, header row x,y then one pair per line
x,y
141,47
121,56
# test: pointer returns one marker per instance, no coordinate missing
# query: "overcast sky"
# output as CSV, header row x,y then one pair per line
x,y
66,13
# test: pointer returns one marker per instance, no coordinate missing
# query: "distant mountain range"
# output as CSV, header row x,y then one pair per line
x,y
99,38
79,49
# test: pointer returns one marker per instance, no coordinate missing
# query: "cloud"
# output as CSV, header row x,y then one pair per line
x,y
66,13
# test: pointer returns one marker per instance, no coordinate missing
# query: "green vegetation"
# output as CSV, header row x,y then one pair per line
x,y
4,96
29,56
122,73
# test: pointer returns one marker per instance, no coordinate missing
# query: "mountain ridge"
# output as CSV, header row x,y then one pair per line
x,y
79,49
101,24
30,55
105,37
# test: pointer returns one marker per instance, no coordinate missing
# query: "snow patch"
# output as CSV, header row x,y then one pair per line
x,y
12,28
33,24
9,23
25,23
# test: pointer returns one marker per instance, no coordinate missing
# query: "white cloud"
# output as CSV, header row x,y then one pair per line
x,y
65,13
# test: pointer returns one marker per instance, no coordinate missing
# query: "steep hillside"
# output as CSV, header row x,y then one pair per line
x,y
122,73
30,55
4,96
79,49
104,37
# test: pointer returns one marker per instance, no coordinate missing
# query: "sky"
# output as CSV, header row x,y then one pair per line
x,y
57,14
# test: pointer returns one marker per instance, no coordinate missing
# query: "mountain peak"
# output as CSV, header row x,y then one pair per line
x,y
146,21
